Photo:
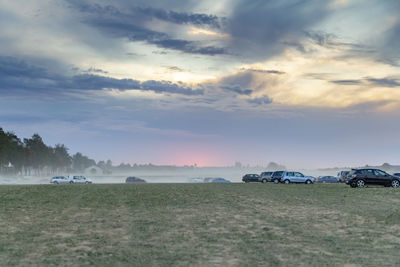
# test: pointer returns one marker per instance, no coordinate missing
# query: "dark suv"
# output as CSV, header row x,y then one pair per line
x,y
362,177
277,176
251,178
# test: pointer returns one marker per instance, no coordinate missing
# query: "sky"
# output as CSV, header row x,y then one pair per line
x,y
304,83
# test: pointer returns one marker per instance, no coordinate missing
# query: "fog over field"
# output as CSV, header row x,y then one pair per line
x,y
180,176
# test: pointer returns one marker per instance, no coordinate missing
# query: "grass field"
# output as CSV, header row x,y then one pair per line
x,y
199,224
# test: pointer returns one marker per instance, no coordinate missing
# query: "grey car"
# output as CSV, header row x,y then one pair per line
x,y
79,179
296,177
266,177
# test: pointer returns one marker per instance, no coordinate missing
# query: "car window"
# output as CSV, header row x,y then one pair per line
x,y
379,173
298,174
290,174
367,172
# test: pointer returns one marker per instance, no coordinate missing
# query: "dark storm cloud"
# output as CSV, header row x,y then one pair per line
x,y
372,82
17,74
385,82
168,87
91,69
347,82
237,89
148,13
180,17
133,25
261,28
187,46
261,100
264,71
321,38
390,48
174,68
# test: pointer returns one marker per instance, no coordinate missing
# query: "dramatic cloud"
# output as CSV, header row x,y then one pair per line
x,y
157,76
384,82
18,74
237,89
264,71
260,29
180,17
261,100
375,82
133,25
347,82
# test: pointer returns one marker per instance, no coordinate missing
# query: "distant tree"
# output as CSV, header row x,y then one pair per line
x,y
275,166
101,164
386,166
109,165
16,153
11,151
38,154
60,158
81,162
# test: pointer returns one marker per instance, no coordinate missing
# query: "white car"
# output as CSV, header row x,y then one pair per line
x,y
60,180
79,179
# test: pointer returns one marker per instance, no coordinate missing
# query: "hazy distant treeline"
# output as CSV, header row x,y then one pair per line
x,y
31,156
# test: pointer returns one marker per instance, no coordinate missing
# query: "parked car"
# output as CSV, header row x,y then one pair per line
x,y
342,176
362,177
292,177
327,179
197,180
251,178
79,179
266,176
60,180
132,179
220,180
277,176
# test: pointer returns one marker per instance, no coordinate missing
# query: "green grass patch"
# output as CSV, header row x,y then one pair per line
x,y
199,224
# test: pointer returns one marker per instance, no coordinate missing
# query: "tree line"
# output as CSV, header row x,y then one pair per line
x,y
31,156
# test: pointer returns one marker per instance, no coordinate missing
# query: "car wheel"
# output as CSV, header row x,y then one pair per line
x,y
86,182
286,182
308,182
276,181
395,183
360,183
264,181
71,182
55,182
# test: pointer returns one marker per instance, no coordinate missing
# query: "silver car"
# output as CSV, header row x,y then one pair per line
x,y
60,180
79,179
296,177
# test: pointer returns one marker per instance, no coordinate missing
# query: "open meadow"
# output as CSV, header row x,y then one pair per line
x,y
199,225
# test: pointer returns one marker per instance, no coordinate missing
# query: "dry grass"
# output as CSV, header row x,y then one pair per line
x,y
199,225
